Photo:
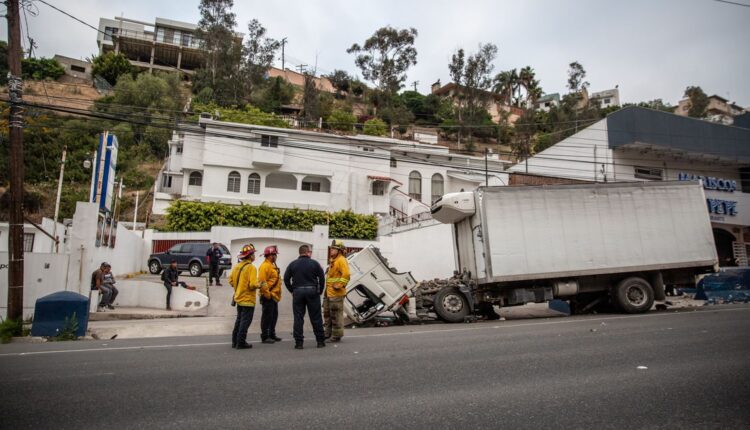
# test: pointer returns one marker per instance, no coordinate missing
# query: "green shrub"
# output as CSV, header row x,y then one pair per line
x,y
41,68
341,120
69,329
197,216
10,328
246,115
375,127
111,66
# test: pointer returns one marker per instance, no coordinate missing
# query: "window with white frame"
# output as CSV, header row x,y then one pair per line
x,y
415,185
253,183
233,182
269,141
378,188
178,148
437,187
394,163
166,181
28,242
195,179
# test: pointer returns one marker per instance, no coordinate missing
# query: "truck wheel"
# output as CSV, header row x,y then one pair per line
x,y
154,267
451,306
634,295
196,269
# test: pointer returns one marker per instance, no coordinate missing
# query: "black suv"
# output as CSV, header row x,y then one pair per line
x,y
190,257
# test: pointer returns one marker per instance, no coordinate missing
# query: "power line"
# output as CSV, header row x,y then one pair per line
x,y
733,3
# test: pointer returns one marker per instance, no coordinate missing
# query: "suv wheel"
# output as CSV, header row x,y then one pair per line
x,y
154,267
196,269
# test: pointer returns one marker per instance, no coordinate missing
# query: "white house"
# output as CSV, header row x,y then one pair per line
x,y
287,168
638,144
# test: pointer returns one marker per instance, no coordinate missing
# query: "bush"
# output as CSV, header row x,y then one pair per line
x,y
375,127
246,115
111,66
341,120
41,68
10,328
196,216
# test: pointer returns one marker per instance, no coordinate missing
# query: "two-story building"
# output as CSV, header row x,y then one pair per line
x,y
637,144
719,109
232,163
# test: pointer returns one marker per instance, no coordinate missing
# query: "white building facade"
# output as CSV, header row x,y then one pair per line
x,y
287,168
637,144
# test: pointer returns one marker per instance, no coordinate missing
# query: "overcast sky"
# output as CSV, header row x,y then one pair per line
x,y
650,48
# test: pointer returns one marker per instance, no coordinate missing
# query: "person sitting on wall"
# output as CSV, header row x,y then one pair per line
x,y
108,284
97,284
170,276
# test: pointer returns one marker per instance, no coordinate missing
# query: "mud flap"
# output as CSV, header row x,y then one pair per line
x,y
466,291
660,295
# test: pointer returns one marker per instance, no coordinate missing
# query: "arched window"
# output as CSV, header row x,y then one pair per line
x,y
415,185
285,181
437,187
316,183
233,182
253,183
195,178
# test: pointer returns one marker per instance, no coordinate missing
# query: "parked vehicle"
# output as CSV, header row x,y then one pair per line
x,y
374,287
731,284
191,257
589,244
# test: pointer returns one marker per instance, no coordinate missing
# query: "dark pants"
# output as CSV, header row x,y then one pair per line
x,y
168,286
268,318
213,273
305,298
109,294
241,324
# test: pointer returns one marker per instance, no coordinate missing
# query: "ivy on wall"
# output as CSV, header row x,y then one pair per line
x,y
198,216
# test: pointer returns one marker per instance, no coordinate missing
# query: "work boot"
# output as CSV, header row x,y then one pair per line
x,y
244,346
335,339
218,284
276,338
298,345
268,341
322,344
169,308
110,307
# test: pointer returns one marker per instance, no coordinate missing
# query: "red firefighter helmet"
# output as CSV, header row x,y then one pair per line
x,y
246,251
270,250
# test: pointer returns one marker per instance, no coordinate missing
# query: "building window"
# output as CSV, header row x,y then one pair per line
x,y
378,188
28,242
284,181
166,181
253,183
437,187
178,149
317,184
196,179
109,32
415,185
77,68
269,141
186,39
233,182
650,173
393,162
160,35
366,149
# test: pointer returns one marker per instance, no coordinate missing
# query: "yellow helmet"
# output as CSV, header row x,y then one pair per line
x,y
246,251
338,244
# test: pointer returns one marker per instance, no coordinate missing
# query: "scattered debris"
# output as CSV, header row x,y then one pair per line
x,y
642,368
593,330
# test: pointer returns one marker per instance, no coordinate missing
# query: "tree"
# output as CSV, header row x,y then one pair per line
x,y
471,75
274,94
697,102
111,66
259,54
341,120
375,127
385,57
656,104
4,62
222,53
41,68
310,98
527,79
505,86
341,81
576,76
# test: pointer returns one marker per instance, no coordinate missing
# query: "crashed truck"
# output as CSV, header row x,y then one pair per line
x,y
587,244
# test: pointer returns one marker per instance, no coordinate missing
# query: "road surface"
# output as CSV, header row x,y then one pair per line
x,y
687,369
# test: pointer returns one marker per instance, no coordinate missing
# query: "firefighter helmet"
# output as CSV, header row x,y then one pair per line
x,y
270,250
338,244
246,251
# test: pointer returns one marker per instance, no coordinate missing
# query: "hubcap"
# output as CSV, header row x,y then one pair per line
x,y
636,295
194,270
154,267
452,303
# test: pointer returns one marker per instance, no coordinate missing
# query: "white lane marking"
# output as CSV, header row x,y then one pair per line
x,y
449,330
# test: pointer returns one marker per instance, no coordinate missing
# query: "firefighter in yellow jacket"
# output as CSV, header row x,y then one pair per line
x,y
244,280
337,277
270,295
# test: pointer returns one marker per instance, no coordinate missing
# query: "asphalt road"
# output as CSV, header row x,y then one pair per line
x,y
578,372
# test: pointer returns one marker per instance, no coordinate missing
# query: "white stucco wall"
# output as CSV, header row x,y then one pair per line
x,y
44,273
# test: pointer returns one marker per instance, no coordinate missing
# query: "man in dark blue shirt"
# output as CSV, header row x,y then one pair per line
x,y
214,255
305,279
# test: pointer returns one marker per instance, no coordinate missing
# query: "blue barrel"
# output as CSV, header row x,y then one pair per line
x,y
51,311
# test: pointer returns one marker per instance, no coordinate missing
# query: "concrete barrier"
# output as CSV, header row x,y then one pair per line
x,y
144,294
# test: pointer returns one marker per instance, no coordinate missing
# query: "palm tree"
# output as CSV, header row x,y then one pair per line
x,y
530,84
505,85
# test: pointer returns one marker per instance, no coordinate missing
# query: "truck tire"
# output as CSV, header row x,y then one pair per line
x,y
195,269
451,305
634,295
154,267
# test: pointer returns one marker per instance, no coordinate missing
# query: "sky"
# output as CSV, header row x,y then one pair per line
x,y
649,48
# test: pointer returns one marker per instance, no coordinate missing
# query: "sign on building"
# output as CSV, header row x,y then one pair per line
x,y
104,173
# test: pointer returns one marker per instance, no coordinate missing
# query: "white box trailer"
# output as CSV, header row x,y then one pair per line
x,y
585,243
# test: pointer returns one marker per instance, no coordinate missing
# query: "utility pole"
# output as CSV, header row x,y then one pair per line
x,y
135,211
15,164
283,43
57,200
486,170
302,68
415,83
